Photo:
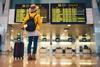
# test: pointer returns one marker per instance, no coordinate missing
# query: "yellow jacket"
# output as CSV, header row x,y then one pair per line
x,y
37,19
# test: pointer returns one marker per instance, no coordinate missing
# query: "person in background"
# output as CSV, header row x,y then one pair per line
x,y
33,36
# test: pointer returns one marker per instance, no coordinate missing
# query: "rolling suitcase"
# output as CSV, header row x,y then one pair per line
x,y
18,50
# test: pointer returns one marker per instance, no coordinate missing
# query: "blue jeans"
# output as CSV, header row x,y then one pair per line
x,y
35,40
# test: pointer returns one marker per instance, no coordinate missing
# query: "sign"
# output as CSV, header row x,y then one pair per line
x,y
22,9
68,13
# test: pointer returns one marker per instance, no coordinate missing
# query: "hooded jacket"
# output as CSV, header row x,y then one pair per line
x,y
37,19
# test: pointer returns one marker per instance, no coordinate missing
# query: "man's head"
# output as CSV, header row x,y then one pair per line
x,y
33,8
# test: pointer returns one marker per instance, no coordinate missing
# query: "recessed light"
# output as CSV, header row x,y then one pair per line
x,y
25,26
65,30
68,25
12,30
86,34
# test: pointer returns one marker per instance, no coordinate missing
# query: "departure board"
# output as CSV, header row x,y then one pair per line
x,y
68,13
22,9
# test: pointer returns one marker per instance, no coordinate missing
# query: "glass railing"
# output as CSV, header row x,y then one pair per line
x,y
98,4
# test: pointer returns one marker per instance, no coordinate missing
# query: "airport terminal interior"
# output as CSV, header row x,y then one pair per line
x,y
69,35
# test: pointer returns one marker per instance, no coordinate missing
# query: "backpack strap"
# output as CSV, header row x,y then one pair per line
x,y
33,17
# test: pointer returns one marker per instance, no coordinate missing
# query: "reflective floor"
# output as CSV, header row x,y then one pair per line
x,y
43,60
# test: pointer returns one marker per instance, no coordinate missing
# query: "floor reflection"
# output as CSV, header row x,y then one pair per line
x,y
85,60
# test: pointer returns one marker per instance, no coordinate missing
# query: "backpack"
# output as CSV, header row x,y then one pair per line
x,y
31,26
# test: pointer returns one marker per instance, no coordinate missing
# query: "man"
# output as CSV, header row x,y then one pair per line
x,y
33,36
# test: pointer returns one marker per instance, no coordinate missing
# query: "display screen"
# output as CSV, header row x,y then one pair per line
x,y
68,13
22,9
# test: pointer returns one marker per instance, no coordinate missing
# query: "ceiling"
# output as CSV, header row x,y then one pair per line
x,y
74,30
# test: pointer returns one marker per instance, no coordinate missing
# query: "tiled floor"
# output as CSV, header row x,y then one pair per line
x,y
52,61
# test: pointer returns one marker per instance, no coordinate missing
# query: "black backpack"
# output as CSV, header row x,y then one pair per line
x,y
31,26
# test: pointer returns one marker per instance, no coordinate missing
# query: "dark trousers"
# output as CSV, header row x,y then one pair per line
x,y
30,40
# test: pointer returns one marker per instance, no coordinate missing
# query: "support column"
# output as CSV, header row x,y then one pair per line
x,y
4,22
6,8
1,8
96,18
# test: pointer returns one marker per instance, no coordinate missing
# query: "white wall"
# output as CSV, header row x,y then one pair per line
x,y
11,16
89,15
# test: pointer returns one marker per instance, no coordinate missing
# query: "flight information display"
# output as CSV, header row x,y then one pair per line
x,y
68,13
22,9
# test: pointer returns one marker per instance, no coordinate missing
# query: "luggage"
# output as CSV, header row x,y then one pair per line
x,y
18,50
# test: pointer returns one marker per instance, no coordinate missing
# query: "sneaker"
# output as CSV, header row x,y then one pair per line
x,y
29,57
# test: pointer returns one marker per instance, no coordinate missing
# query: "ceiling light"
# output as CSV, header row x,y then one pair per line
x,y
66,63
25,26
65,30
86,63
69,25
63,34
12,30
93,34
86,34
40,34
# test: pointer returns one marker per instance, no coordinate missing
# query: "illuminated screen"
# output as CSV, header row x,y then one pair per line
x,y
22,9
71,13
